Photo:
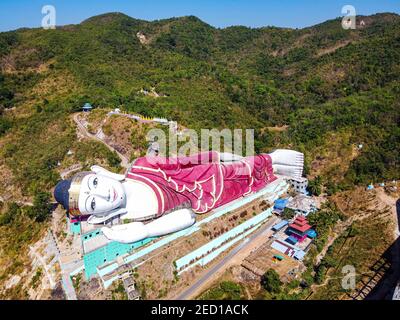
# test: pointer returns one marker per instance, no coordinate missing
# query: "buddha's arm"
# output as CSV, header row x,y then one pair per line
x,y
136,231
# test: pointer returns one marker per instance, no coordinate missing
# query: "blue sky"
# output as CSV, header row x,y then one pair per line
x,y
219,13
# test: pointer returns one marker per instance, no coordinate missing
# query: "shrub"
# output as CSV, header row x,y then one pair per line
x,y
271,281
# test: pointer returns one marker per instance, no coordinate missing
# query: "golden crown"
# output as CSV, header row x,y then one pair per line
x,y
73,191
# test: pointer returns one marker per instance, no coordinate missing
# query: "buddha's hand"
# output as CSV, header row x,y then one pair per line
x,y
136,231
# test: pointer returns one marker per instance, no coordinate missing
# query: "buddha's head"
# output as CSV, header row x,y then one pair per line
x,y
90,193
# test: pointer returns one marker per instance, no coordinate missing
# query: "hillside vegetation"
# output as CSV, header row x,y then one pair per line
x,y
318,82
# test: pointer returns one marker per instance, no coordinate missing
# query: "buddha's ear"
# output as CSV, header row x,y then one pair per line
x,y
104,172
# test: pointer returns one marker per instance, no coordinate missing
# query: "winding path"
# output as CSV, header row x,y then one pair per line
x,y
86,133
69,170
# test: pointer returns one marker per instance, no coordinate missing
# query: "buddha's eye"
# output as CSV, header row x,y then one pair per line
x,y
95,181
93,204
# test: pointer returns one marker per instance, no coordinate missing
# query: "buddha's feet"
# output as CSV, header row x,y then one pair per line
x,y
287,162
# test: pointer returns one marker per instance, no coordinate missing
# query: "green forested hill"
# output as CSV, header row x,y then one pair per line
x,y
316,81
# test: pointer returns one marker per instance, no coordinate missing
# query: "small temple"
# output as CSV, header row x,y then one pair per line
x,y
299,229
87,107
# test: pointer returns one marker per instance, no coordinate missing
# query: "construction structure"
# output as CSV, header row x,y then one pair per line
x,y
293,239
302,204
152,205
140,118
129,286
280,225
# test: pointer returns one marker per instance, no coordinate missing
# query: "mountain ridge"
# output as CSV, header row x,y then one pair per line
x,y
388,16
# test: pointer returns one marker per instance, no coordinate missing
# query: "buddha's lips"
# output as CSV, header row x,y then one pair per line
x,y
115,195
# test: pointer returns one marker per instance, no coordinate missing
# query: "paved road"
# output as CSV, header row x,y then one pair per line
x,y
244,244
83,130
68,287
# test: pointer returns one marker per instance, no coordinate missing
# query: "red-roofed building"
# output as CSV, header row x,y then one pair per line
x,y
299,228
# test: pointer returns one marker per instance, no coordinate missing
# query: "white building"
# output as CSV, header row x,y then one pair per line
x,y
298,184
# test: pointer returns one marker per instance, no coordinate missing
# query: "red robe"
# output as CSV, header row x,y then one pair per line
x,y
201,181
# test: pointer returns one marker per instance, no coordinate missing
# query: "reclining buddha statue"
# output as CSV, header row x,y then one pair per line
x,y
159,195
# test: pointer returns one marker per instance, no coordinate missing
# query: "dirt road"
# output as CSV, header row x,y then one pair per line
x,y
21,203
86,133
69,170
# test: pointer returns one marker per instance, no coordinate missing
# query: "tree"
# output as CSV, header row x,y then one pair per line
x,y
353,231
5,125
232,290
271,281
10,215
320,274
113,159
41,207
314,186
288,214
6,96
39,108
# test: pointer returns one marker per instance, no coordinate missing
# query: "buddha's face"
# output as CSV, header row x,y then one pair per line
x,y
99,195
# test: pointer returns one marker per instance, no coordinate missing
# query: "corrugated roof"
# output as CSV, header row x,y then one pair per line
x,y
299,255
280,225
302,228
292,240
279,246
